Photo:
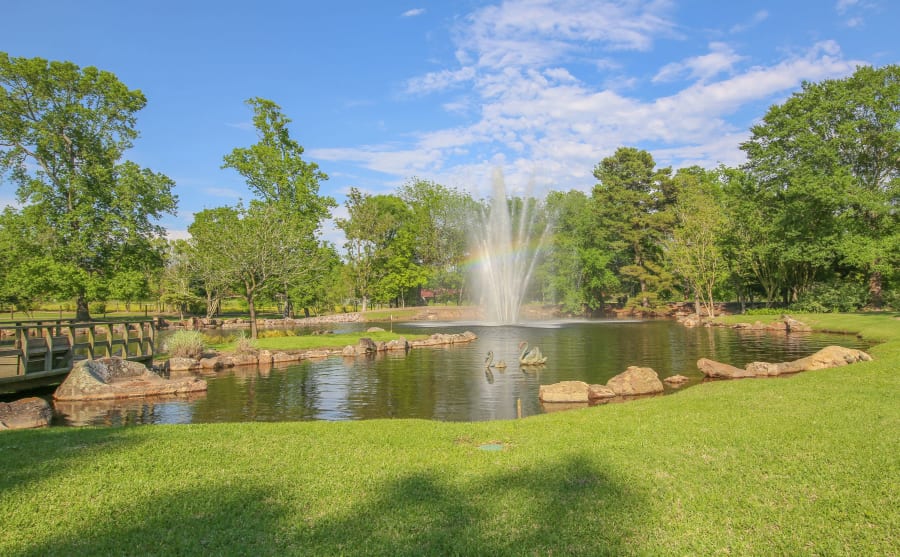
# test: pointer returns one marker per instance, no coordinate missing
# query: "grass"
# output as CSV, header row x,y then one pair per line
x,y
807,465
311,342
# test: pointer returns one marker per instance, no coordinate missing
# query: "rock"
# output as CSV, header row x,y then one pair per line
x,y
718,370
691,321
108,378
566,391
316,354
600,392
183,364
264,358
25,413
794,326
830,356
374,330
636,381
211,364
244,359
777,326
285,357
398,344
676,380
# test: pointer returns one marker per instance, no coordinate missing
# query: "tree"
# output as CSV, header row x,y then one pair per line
x,y
441,219
63,132
631,205
254,249
276,172
829,160
577,268
693,249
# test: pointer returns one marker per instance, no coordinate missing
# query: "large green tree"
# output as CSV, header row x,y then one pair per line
x,y
441,221
276,173
255,249
827,163
632,204
63,133
381,247
694,250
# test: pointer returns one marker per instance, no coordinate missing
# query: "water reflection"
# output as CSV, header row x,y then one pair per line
x,y
452,384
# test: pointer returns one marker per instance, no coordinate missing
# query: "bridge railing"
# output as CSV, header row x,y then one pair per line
x,y
34,348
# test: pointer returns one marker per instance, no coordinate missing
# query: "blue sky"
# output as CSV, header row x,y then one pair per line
x,y
382,91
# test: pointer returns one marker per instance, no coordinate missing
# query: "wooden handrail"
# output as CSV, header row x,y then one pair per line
x,y
46,347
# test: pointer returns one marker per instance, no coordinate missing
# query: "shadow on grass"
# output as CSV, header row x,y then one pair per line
x,y
565,506
29,456
568,507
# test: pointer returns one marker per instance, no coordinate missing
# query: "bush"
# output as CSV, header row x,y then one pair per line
x,y
97,307
185,344
244,344
764,311
832,298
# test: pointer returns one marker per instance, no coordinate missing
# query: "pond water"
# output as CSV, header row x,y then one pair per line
x,y
451,383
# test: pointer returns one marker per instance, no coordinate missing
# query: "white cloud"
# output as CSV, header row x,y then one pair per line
x,y
223,192
757,18
436,81
721,59
529,113
843,5
175,234
413,13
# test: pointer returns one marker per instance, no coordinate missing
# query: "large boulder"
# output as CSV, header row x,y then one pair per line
x,y
636,381
600,393
565,391
25,413
109,378
830,356
718,370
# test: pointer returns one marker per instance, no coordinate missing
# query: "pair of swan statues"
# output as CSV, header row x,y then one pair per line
x,y
532,357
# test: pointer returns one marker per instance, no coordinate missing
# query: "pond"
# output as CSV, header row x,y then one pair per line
x,y
451,383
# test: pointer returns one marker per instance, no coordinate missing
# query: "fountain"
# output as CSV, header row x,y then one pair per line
x,y
507,247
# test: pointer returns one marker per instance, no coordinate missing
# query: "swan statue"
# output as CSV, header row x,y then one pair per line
x,y
489,361
531,357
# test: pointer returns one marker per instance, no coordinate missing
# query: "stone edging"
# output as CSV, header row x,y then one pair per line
x,y
364,347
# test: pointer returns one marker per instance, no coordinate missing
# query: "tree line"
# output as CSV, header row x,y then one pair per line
x,y
810,219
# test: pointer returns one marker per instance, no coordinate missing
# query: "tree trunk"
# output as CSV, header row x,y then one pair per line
x,y
82,312
251,304
875,294
365,303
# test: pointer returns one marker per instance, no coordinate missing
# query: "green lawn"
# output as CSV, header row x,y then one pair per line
x,y
310,342
807,465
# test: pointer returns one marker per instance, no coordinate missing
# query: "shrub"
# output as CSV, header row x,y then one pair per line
x,y
764,311
185,344
244,344
828,298
97,307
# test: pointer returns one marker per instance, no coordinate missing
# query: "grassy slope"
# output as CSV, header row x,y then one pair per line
x,y
803,465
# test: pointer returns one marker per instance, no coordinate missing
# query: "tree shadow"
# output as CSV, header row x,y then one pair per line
x,y
567,507
563,505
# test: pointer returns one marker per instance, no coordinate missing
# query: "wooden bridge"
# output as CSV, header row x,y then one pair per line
x,y
35,353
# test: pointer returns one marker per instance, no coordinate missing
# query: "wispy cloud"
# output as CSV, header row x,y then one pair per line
x,y
413,12
757,18
843,5
530,113
222,192
721,59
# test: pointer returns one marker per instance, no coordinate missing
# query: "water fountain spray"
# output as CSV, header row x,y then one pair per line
x,y
507,247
